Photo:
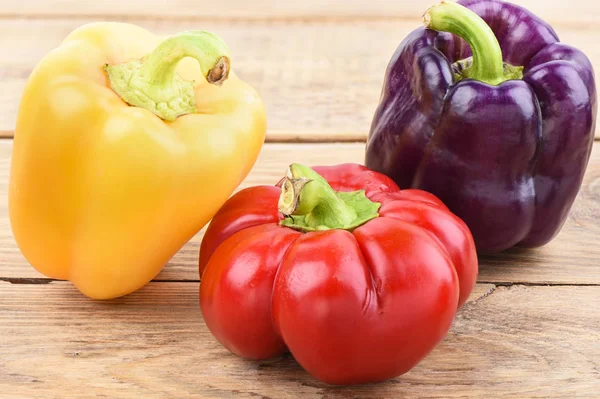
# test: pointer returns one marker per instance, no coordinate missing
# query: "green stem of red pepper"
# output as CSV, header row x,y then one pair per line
x,y
487,65
310,204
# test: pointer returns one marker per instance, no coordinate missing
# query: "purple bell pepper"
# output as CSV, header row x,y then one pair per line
x,y
486,109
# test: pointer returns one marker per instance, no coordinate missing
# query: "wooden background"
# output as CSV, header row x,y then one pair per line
x,y
530,329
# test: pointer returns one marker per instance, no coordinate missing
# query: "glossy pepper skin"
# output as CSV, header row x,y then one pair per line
x,y
507,158
103,193
351,306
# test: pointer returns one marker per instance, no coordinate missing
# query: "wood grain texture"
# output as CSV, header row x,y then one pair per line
x,y
320,80
319,67
534,342
572,258
575,11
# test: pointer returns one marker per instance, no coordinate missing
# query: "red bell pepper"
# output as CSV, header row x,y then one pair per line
x,y
358,279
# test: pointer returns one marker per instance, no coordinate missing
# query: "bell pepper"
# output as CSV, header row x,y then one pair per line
x,y
357,279
122,153
486,109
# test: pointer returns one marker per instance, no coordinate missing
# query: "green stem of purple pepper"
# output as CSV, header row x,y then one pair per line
x,y
487,65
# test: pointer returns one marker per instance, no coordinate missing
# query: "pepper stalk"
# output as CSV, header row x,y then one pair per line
x,y
309,203
486,65
152,82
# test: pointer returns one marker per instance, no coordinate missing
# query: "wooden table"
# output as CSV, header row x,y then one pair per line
x,y
530,329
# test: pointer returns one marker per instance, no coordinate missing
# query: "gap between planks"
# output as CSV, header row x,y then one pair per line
x,y
308,19
288,137
46,280
299,138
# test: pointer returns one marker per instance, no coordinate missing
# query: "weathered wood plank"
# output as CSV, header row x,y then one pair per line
x,y
506,342
575,11
320,80
572,258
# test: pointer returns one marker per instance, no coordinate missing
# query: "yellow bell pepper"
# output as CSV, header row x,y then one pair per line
x,y
125,147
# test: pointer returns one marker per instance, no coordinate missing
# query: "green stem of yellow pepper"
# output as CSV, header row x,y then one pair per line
x,y
152,82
